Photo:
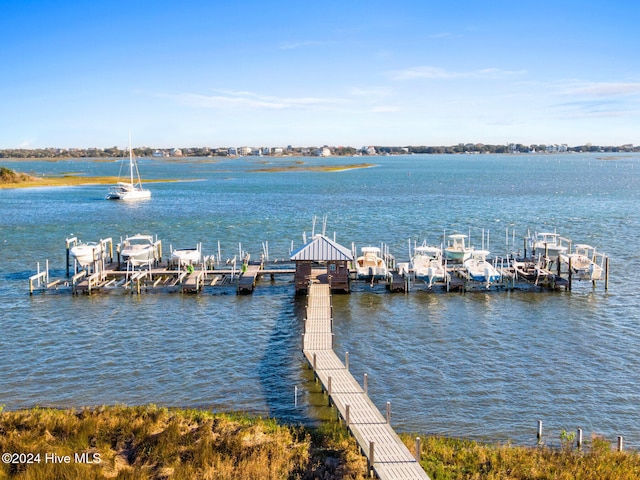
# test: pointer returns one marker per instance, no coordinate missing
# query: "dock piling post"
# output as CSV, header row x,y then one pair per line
x,y
388,413
371,458
418,454
329,390
346,414
315,363
539,431
570,273
579,441
620,443
366,384
346,360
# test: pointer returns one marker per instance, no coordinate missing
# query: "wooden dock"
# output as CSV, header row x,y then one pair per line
x,y
248,278
387,456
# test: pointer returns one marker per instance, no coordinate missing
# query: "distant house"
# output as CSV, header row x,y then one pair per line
x,y
245,150
233,151
368,150
176,152
323,152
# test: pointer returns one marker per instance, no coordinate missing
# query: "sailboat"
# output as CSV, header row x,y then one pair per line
x,y
131,190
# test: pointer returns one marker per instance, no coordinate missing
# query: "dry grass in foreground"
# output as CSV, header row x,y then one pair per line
x,y
151,442
447,458
159,443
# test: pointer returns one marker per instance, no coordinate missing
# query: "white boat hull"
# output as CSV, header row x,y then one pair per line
x,y
138,254
427,264
186,256
478,269
129,192
582,264
86,253
140,250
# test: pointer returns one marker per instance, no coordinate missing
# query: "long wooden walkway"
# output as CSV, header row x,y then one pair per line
x,y
387,456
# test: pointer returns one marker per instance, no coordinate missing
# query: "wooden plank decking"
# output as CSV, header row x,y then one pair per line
x,y
391,458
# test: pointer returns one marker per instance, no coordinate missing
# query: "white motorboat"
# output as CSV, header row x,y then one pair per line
x,y
86,253
547,244
370,265
478,269
140,250
186,256
582,263
427,263
456,249
131,190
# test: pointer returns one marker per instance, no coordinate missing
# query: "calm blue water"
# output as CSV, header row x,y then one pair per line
x,y
478,365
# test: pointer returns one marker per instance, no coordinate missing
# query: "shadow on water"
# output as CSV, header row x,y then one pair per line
x,y
289,389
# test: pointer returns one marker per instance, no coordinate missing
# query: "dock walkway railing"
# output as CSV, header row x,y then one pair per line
x,y
387,456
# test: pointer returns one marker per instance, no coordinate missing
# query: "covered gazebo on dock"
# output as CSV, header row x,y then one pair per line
x,y
324,260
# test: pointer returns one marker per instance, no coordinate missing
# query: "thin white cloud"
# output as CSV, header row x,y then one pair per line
x,y
251,100
598,99
603,89
437,73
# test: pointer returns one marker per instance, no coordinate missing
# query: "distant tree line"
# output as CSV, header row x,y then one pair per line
x,y
300,151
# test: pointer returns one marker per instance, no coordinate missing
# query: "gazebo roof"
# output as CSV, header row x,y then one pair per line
x,y
322,249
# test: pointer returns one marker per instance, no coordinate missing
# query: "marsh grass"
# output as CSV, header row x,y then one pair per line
x,y
152,442
299,167
449,458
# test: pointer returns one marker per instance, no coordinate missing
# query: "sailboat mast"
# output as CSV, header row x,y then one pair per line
x,y
130,160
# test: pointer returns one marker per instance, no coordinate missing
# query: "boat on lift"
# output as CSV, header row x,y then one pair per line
x,y
186,256
370,265
86,253
457,249
547,245
140,250
427,264
478,269
583,263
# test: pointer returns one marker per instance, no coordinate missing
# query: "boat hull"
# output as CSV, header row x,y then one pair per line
x,y
86,254
129,194
186,256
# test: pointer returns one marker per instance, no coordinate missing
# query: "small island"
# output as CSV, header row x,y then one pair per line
x,y
313,168
12,179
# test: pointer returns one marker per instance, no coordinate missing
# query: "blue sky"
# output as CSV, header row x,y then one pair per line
x,y
257,73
